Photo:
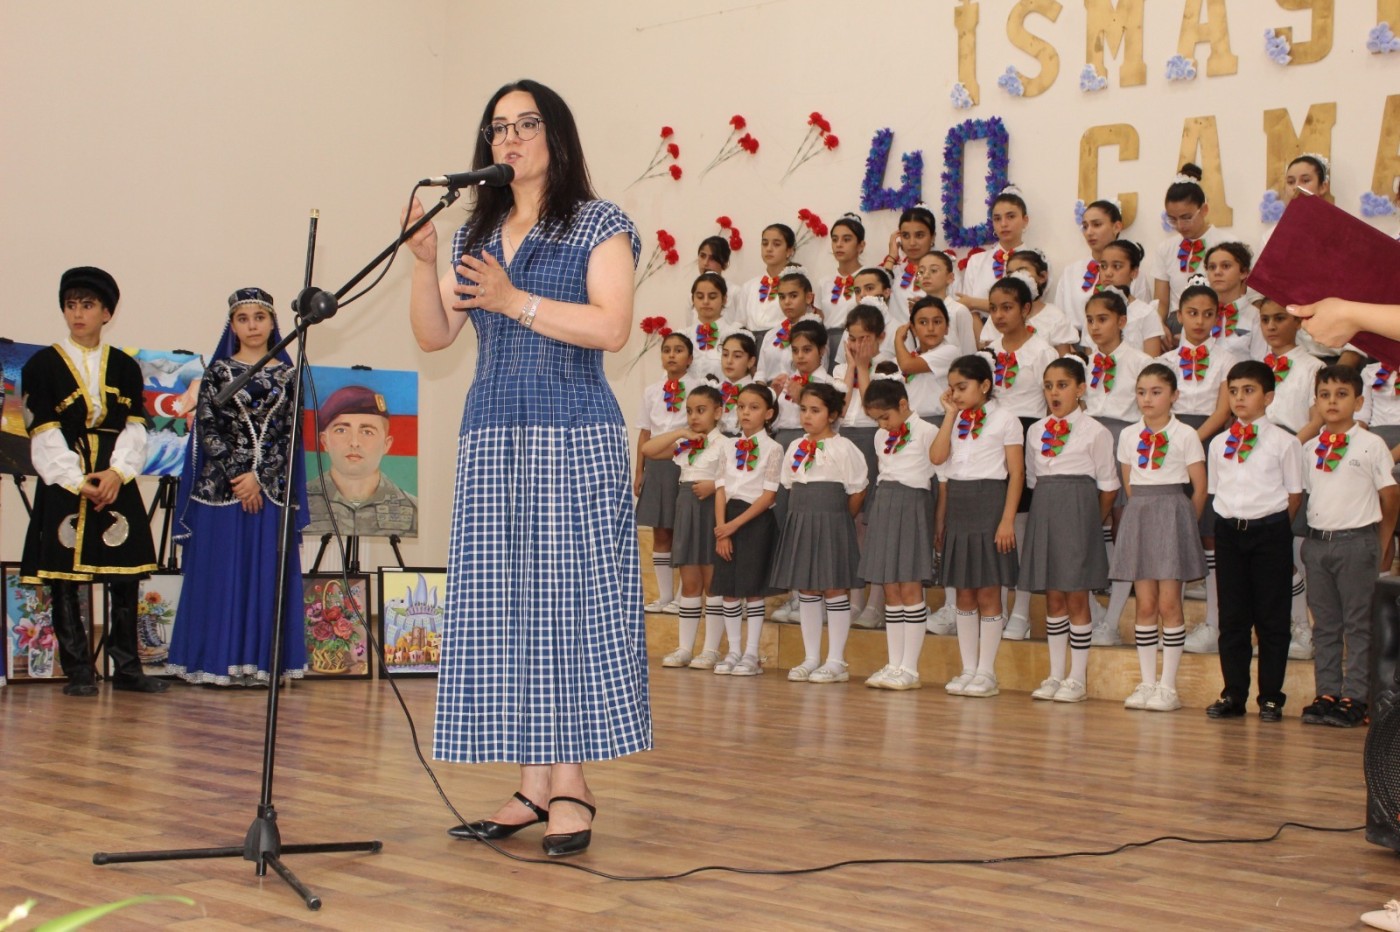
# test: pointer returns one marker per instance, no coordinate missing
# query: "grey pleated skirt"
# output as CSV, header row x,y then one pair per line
x,y
694,540
1063,547
1158,537
656,506
899,539
746,576
817,546
864,439
784,437
970,558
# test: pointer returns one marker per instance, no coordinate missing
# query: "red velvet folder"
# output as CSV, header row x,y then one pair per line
x,y
1320,251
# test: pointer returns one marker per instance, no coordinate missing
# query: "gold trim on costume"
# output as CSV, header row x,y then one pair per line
x,y
51,425
67,403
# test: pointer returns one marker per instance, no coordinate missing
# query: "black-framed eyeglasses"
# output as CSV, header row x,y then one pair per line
x,y
526,128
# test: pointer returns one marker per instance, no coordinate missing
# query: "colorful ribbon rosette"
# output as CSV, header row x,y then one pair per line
x,y
1240,442
1194,362
1383,375
1091,275
843,287
745,454
898,439
730,391
1152,449
806,453
1281,366
999,263
1330,450
767,288
1227,321
1104,371
1190,253
1052,440
970,422
782,337
673,393
692,448
911,272
706,336
1006,370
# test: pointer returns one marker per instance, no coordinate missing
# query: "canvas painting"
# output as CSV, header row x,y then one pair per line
x,y
31,651
410,619
361,442
14,439
335,619
155,621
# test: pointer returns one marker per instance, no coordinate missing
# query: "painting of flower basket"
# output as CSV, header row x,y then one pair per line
x,y
31,651
334,613
410,619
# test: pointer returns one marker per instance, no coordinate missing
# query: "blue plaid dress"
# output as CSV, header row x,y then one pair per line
x,y
543,645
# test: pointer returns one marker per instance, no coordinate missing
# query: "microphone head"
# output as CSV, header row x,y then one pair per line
x,y
501,174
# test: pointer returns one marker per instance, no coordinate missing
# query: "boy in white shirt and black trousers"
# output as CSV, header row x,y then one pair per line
x,y
1352,504
1256,474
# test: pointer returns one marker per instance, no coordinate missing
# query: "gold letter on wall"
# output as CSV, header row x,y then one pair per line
x,y
1319,35
1388,11
1035,46
1098,137
1199,133
1388,149
1217,32
965,19
1284,144
1113,28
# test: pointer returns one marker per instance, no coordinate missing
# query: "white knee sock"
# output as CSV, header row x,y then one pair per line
x,y
858,598
894,633
990,640
915,621
754,610
1212,597
876,600
968,635
1079,636
838,626
733,622
665,585
1117,600
1057,635
714,628
1173,645
1300,588
1146,637
809,615
950,598
690,620
1022,605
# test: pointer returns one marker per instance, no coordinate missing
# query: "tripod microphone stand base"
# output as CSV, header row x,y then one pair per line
x,y
262,845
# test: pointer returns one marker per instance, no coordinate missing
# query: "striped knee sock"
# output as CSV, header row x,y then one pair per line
x,y
733,622
915,622
1057,635
809,614
838,627
1173,645
1079,637
665,590
714,630
1146,636
894,633
690,620
754,610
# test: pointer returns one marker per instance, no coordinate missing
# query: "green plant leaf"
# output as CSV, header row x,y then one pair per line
x,y
83,916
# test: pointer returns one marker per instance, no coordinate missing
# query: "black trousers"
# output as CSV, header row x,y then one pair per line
x,y
1254,580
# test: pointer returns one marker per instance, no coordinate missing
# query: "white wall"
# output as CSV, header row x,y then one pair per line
x,y
180,145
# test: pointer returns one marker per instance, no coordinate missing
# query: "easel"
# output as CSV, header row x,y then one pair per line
x,y
352,552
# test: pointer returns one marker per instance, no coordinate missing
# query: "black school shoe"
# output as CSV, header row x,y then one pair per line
x,y
1316,713
1225,707
1271,711
1348,713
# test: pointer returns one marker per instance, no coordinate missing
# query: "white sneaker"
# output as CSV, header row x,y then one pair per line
x,y
705,660
880,678
1071,690
787,612
982,686
653,608
1137,699
1300,647
1163,699
1016,629
680,657
1047,688
801,672
957,684
1196,591
1387,917
904,679
1203,639
748,665
672,607
833,671
727,665
1105,634
870,617
943,622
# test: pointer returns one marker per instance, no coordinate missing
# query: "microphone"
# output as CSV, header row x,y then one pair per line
x,y
496,176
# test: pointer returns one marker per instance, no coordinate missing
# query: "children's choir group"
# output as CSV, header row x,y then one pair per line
x,y
912,424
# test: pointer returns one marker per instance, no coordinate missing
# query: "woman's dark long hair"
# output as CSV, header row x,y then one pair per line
x,y
567,184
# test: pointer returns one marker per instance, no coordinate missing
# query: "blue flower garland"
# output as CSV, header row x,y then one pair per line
x,y
911,183
994,132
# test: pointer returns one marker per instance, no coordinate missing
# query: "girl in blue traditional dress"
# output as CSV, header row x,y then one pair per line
x,y
229,512
544,647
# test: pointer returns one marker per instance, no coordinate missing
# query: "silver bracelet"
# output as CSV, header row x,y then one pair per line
x,y
528,312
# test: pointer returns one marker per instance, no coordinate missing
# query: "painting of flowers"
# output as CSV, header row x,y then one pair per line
x,y
334,618
155,621
31,650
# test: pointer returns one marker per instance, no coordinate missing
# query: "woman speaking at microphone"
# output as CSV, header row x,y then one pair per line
x,y
543,646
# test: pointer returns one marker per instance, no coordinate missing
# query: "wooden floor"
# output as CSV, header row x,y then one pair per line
x,y
758,773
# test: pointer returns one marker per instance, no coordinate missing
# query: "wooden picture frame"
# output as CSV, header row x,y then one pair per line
x,y
411,601
335,623
31,653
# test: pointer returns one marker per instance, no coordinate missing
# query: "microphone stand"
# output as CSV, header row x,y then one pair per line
x,y
263,843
